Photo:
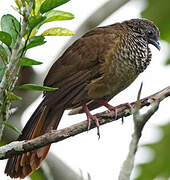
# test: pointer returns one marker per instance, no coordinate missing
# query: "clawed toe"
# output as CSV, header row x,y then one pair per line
x,y
108,106
90,117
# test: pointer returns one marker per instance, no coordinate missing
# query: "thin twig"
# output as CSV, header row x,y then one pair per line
x,y
19,147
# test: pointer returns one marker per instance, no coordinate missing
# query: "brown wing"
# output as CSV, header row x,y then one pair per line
x,y
78,66
82,55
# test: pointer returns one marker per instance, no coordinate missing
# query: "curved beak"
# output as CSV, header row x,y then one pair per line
x,y
155,43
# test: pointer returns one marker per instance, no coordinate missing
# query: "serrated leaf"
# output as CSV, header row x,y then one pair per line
x,y
28,62
10,25
58,32
35,41
11,127
51,4
11,96
3,54
35,87
159,166
5,38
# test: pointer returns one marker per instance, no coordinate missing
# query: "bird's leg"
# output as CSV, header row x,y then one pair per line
x,y
103,102
125,104
90,117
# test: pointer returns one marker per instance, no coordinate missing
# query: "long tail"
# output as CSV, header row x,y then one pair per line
x,y
43,119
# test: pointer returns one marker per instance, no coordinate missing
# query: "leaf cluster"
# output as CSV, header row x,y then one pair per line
x,y
159,166
43,11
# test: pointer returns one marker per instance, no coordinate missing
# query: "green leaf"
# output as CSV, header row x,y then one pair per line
x,y
55,15
10,25
35,41
58,32
5,38
18,3
159,166
11,127
35,20
28,1
51,4
168,61
2,69
11,96
3,54
37,6
28,62
35,87
38,175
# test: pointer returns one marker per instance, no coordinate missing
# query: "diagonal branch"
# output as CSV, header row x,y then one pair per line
x,y
18,147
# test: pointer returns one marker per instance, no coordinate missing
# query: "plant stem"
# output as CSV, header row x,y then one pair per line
x,y
10,75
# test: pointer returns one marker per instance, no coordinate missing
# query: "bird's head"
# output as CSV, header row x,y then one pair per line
x,y
146,29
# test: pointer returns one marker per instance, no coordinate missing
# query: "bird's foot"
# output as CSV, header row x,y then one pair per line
x,y
90,117
128,105
108,106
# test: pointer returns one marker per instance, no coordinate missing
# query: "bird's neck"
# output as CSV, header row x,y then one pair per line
x,y
140,53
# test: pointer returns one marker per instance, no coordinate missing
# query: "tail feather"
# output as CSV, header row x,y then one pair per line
x,y
23,165
45,118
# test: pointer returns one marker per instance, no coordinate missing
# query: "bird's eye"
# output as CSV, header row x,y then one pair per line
x,y
150,33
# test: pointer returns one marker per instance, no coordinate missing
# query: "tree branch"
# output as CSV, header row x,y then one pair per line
x,y
11,68
18,147
139,122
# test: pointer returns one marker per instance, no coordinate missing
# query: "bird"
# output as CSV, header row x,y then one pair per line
x,y
94,69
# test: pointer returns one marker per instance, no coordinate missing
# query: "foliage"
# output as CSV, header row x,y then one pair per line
x,y
43,11
11,26
159,13
28,62
35,87
159,166
58,32
37,175
12,127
